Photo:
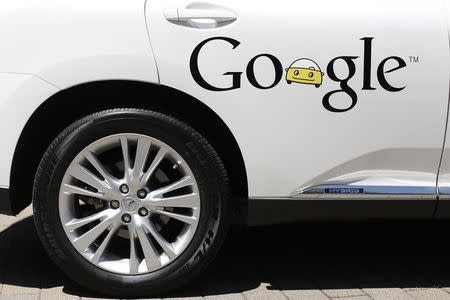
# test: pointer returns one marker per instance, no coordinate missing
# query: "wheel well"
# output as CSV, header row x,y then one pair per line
x,y
71,104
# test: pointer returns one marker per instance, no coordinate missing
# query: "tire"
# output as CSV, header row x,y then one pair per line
x,y
49,206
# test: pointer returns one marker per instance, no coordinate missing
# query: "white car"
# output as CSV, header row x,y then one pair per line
x,y
142,129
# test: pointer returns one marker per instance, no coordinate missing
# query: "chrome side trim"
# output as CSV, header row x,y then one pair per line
x,y
350,191
362,197
367,197
444,197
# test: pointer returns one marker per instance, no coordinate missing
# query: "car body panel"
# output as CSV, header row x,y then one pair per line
x,y
71,42
21,95
289,141
295,144
51,45
444,170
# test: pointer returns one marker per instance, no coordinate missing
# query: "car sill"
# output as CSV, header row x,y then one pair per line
x,y
320,207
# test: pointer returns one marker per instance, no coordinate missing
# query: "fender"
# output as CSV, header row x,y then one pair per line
x,y
65,51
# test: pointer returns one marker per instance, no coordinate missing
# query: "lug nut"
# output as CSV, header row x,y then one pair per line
x,y
115,204
124,189
142,194
143,211
126,218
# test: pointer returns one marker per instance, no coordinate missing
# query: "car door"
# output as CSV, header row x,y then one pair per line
x,y
444,170
323,97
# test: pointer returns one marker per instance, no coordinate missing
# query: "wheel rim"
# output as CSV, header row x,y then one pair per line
x,y
129,204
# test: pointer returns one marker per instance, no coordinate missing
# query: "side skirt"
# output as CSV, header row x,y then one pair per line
x,y
5,202
264,211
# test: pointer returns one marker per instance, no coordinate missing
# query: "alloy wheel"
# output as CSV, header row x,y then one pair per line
x,y
129,204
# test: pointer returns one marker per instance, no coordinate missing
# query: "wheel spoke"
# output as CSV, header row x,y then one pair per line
x,y
154,165
165,245
143,147
85,240
188,201
183,182
182,218
101,249
150,253
134,257
99,167
126,157
77,223
71,189
81,173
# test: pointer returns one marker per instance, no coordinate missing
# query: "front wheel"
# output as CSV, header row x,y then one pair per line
x,y
131,202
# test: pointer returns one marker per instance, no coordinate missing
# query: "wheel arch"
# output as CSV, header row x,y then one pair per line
x,y
68,105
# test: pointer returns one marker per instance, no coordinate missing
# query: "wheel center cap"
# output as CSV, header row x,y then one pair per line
x,y
130,204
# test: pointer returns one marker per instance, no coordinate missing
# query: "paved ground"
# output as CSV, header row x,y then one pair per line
x,y
375,260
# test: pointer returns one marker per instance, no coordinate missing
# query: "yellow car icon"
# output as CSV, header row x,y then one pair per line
x,y
304,70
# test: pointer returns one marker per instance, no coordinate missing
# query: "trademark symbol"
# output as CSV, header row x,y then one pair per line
x,y
414,59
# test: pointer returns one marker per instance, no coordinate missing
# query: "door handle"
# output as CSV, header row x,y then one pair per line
x,y
199,18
